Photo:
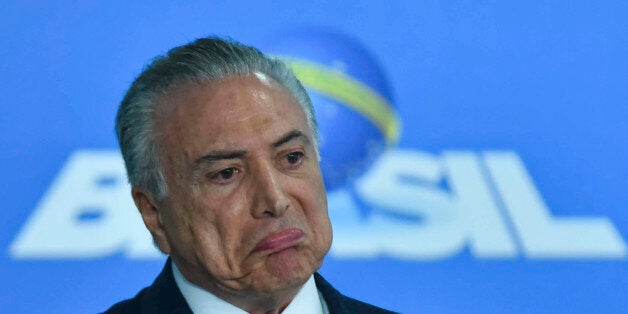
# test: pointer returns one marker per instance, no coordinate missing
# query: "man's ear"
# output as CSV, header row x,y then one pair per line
x,y
151,214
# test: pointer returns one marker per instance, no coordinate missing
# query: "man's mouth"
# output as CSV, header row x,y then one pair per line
x,y
279,241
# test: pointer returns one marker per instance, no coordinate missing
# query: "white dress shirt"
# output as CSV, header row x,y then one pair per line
x,y
308,301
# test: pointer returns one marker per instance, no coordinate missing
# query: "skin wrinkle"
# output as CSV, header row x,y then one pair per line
x,y
211,229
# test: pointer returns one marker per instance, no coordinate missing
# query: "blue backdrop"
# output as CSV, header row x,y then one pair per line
x,y
504,191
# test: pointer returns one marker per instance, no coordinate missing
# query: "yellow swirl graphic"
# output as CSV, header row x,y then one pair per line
x,y
350,92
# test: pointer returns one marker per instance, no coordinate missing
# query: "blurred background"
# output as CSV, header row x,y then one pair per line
x,y
474,151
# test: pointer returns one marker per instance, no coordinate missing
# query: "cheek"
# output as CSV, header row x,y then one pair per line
x,y
191,225
223,223
315,208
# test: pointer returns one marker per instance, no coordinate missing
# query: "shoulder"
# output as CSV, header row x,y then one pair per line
x,y
128,306
339,303
163,296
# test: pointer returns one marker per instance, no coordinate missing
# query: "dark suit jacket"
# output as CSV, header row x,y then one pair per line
x,y
163,296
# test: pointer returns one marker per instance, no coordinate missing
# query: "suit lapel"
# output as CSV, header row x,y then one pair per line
x,y
163,296
333,298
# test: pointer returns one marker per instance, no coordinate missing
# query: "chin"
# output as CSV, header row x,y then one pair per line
x,y
287,269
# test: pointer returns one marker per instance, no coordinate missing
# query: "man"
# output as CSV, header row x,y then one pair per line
x,y
220,147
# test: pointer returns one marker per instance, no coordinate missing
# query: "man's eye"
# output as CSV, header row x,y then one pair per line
x,y
226,174
294,157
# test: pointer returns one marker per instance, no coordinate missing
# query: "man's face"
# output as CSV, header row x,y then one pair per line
x,y
246,208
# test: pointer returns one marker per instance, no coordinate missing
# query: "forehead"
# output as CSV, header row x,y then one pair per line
x,y
226,114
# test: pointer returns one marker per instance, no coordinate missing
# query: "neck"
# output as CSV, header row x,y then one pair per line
x,y
246,299
261,304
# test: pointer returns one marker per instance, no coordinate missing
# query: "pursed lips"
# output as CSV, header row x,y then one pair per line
x,y
280,241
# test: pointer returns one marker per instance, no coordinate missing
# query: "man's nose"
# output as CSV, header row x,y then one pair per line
x,y
271,199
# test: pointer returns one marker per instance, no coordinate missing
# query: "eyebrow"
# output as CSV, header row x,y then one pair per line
x,y
292,135
218,155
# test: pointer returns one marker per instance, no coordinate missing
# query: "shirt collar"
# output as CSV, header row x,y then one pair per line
x,y
307,301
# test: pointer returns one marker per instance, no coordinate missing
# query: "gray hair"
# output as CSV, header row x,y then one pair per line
x,y
203,60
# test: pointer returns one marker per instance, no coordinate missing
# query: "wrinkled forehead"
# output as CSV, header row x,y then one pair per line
x,y
182,93
227,106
